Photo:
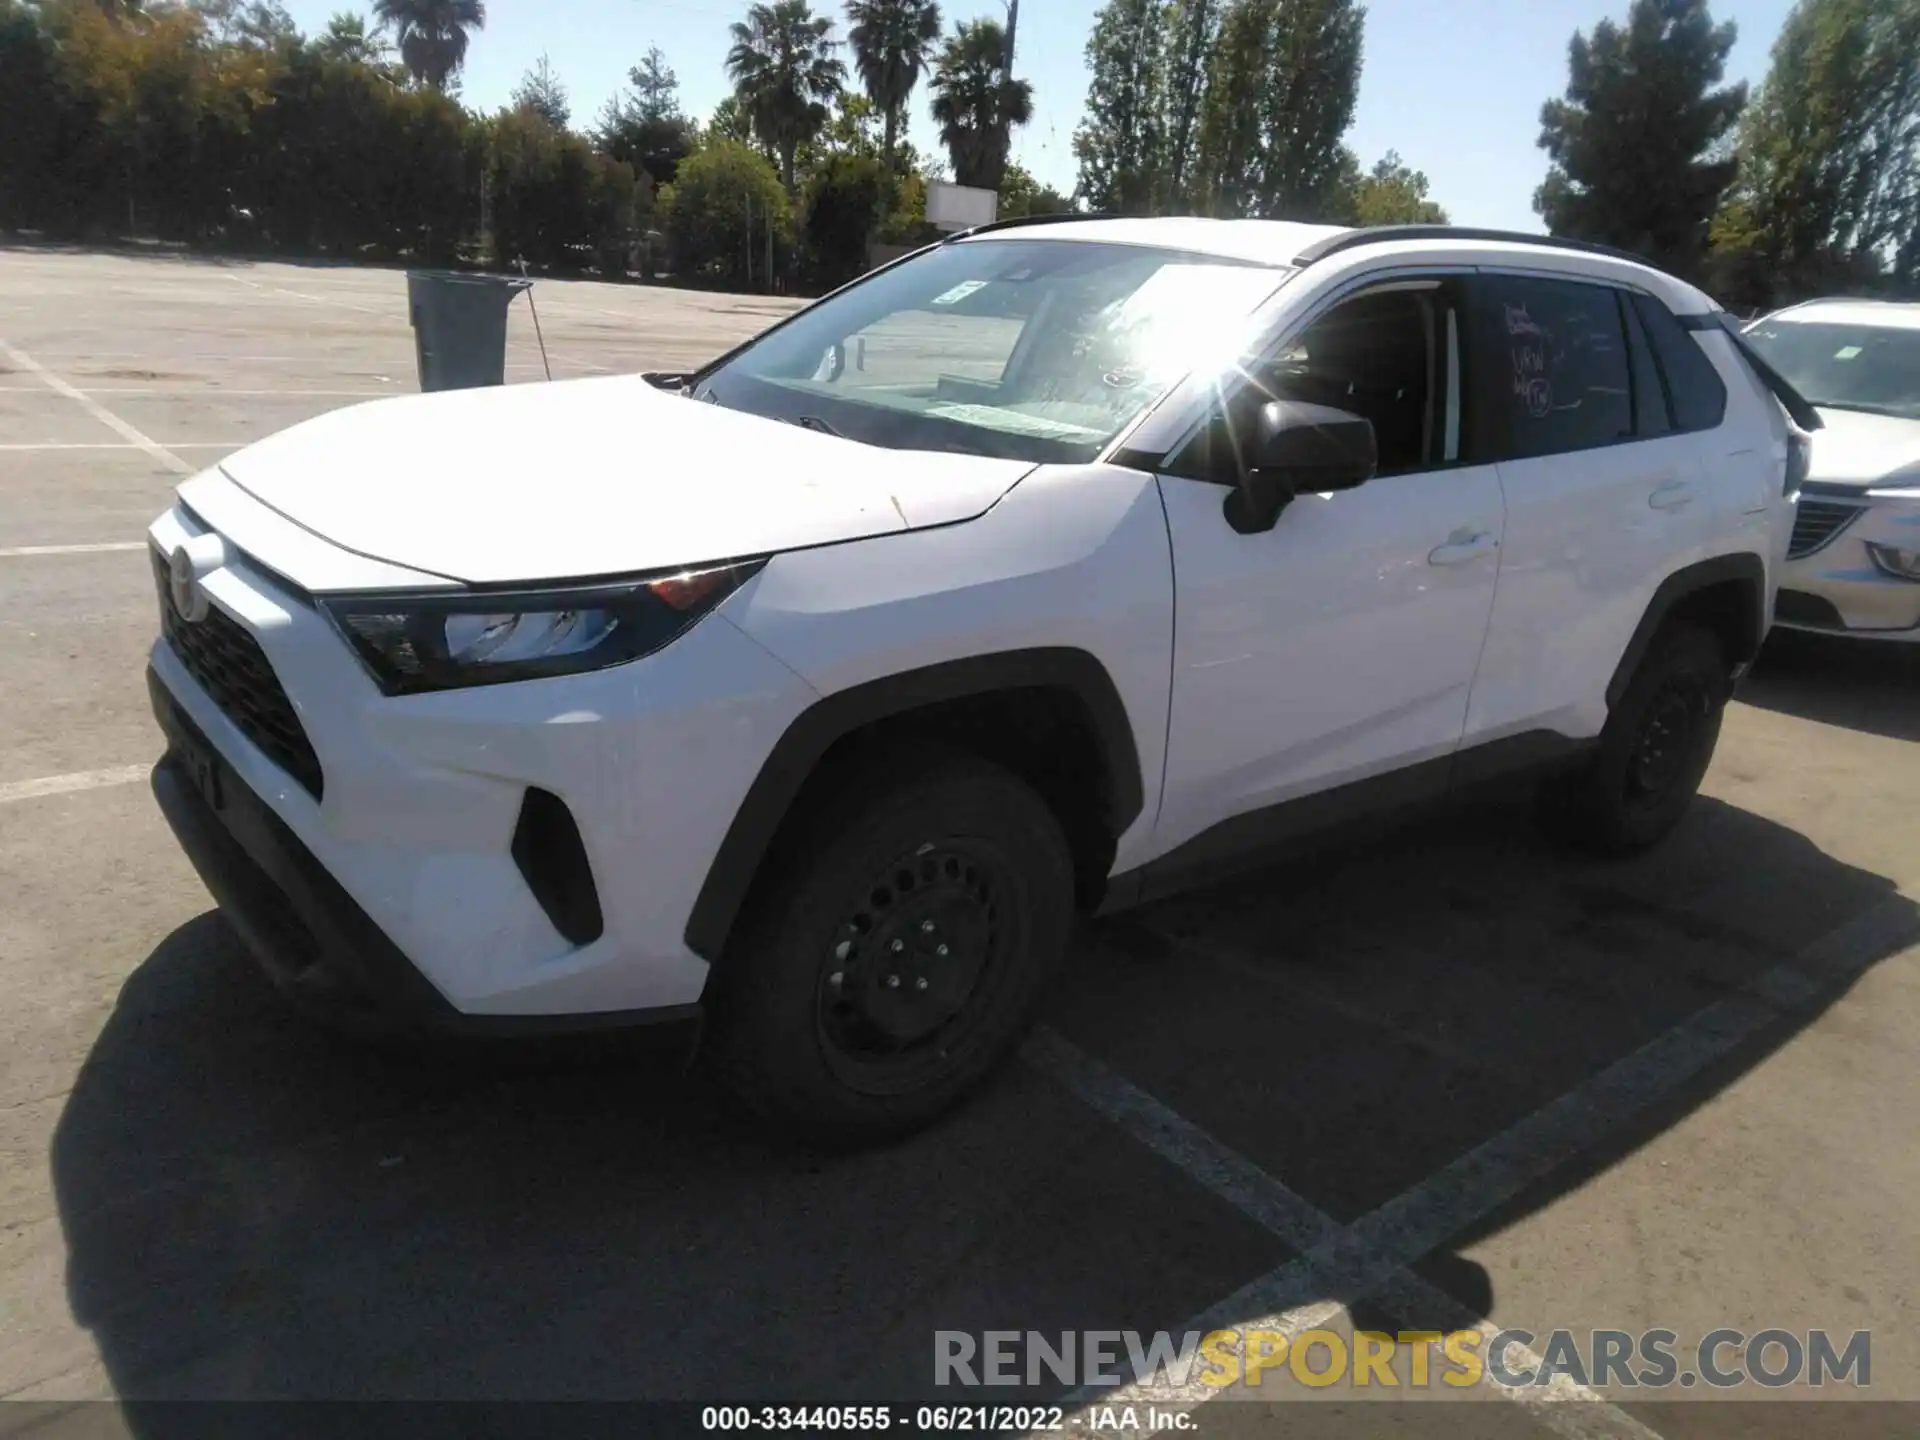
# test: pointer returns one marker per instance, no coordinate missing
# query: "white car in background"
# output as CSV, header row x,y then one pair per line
x,y
1853,565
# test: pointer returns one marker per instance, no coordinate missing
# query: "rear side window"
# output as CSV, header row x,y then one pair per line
x,y
1696,396
1551,369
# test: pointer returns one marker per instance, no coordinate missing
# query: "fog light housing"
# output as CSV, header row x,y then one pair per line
x,y
553,861
1893,560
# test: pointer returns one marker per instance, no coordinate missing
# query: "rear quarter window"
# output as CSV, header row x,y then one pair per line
x,y
1696,396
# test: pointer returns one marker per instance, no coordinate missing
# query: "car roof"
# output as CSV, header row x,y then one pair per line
x,y
1270,242
1296,245
1881,314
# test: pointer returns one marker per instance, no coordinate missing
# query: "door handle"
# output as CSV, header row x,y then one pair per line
x,y
1462,547
1673,495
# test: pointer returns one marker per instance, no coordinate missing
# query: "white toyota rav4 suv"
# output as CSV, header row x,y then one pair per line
x,y
1055,566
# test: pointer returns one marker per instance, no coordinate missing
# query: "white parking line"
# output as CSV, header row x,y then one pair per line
x,y
80,780
98,547
94,408
114,445
316,299
1369,1257
204,391
1332,1259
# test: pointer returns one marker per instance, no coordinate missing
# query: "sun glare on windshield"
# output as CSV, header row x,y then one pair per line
x,y
1027,349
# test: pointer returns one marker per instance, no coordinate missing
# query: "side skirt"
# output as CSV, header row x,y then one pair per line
x,y
1376,805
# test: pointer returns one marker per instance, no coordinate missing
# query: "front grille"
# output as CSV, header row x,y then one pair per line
x,y
230,666
1817,522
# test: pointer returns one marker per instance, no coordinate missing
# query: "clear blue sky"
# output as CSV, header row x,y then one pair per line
x,y
1454,85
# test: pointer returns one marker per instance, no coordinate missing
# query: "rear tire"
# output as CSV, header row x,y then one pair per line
x,y
893,954
1653,753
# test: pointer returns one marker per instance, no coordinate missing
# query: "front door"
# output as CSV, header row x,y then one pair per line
x,y
1340,646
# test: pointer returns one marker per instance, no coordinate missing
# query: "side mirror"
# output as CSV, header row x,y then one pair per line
x,y
1300,449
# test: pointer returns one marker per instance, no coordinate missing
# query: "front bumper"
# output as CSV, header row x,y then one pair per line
x,y
313,941
1835,587
405,848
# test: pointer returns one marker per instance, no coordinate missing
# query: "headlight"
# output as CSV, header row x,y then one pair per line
x,y
441,641
1905,564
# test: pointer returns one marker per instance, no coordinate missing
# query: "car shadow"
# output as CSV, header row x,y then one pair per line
x,y
1858,684
253,1209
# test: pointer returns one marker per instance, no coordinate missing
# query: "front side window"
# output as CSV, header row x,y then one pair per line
x,y
1872,368
1029,349
1551,370
1390,356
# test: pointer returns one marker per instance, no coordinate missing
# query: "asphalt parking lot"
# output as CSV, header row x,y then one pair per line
x,y
1441,1080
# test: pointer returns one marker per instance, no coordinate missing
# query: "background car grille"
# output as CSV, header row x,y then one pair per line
x,y
1817,522
234,671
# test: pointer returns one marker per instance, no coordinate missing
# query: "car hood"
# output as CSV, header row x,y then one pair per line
x,y
1854,448
584,478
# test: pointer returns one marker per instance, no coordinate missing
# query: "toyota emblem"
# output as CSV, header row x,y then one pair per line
x,y
184,589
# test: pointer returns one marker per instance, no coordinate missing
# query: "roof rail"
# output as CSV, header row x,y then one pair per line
x,y
1053,218
1377,234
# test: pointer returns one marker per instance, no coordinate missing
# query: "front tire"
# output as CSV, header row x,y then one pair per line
x,y
894,953
1653,753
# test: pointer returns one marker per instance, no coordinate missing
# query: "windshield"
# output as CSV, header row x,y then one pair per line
x,y
1875,368
1039,350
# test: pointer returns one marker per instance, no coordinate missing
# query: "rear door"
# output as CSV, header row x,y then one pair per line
x,y
1604,495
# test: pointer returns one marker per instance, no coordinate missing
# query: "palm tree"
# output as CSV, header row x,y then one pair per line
x,y
348,39
432,34
784,71
978,103
892,42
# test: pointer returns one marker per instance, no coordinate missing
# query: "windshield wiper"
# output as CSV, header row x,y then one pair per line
x,y
814,422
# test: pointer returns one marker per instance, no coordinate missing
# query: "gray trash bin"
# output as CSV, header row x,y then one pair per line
x,y
460,327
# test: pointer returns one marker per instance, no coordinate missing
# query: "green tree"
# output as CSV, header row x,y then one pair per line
x,y
1638,145
647,128
258,24
432,35
1311,86
1192,27
348,40
977,103
844,199
1021,194
1394,193
1226,176
1281,84
892,42
556,202
718,211
784,72
541,91
1829,190
1121,145
730,121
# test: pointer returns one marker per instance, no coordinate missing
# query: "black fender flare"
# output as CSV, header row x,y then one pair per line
x,y
1744,568
815,730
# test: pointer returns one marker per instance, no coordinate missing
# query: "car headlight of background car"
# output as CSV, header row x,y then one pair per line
x,y
439,640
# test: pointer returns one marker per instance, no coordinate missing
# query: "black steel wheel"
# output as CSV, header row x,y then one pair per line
x,y
894,952
907,970
1653,753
